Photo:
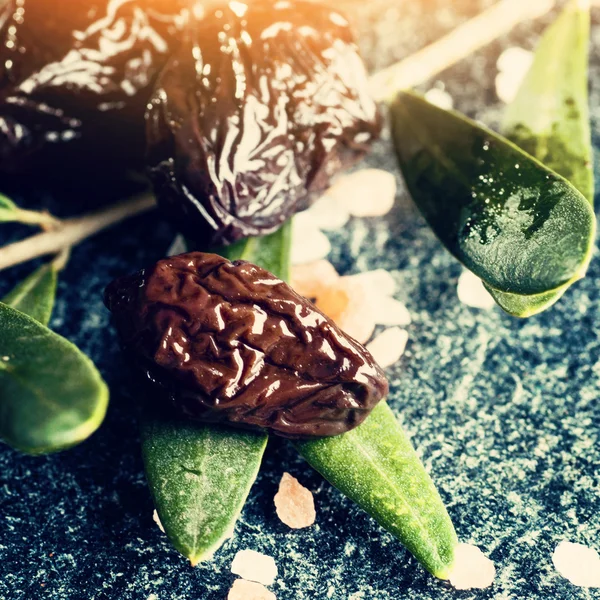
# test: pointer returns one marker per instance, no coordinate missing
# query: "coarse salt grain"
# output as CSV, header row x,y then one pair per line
x,y
156,519
249,590
472,569
513,65
577,563
295,504
379,281
440,98
254,566
388,346
311,279
472,292
365,193
309,243
329,213
354,314
389,311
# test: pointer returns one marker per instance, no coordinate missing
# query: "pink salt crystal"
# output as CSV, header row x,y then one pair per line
x,y
366,193
254,566
294,503
388,346
311,279
249,590
472,569
577,563
357,316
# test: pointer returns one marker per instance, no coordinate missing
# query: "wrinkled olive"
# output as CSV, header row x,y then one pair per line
x,y
229,342
75,79
259,107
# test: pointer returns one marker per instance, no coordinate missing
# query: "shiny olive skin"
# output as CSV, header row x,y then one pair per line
x,y
260,106
75,79
228,342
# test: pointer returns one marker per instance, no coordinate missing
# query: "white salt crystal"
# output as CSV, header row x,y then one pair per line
x,y
472,569
472,292
577,563
156,519
328,213
379,281
389,311
248,590
513,65
366,193
254,566
440,98
309,243
388,346
295,504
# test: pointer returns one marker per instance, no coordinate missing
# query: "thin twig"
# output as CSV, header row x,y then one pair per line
x,y
33,217
73,231
453,47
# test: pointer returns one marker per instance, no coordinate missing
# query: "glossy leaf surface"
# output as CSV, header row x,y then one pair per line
x,y
376,467
517,225
51,395
35,295
549,119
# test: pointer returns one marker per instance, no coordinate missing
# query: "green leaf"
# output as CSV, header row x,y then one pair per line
x,y
35,295
376,467
520,227
8,210
51,395
200,477
271,252
549,119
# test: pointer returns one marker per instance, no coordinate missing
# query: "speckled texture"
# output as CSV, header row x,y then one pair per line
x,y
505,414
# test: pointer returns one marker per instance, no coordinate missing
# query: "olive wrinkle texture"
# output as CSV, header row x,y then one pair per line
x,y
228,342
254,114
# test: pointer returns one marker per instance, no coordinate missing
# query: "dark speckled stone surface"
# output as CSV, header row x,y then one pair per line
x,y
505,413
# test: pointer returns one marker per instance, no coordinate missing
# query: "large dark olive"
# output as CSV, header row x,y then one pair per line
x,y
257,110
75,79
229,342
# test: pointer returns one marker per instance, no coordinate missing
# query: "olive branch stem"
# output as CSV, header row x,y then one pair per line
x,y
467,38
73,231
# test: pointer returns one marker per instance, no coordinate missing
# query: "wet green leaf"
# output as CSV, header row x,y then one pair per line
x,y
520,227
35,295
376,467
51,395
200,475
549,119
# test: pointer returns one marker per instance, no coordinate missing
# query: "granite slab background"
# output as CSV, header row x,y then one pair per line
x,y
504,412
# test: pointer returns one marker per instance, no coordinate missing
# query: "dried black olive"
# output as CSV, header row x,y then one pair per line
x,y
253,115
76,77
229,342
